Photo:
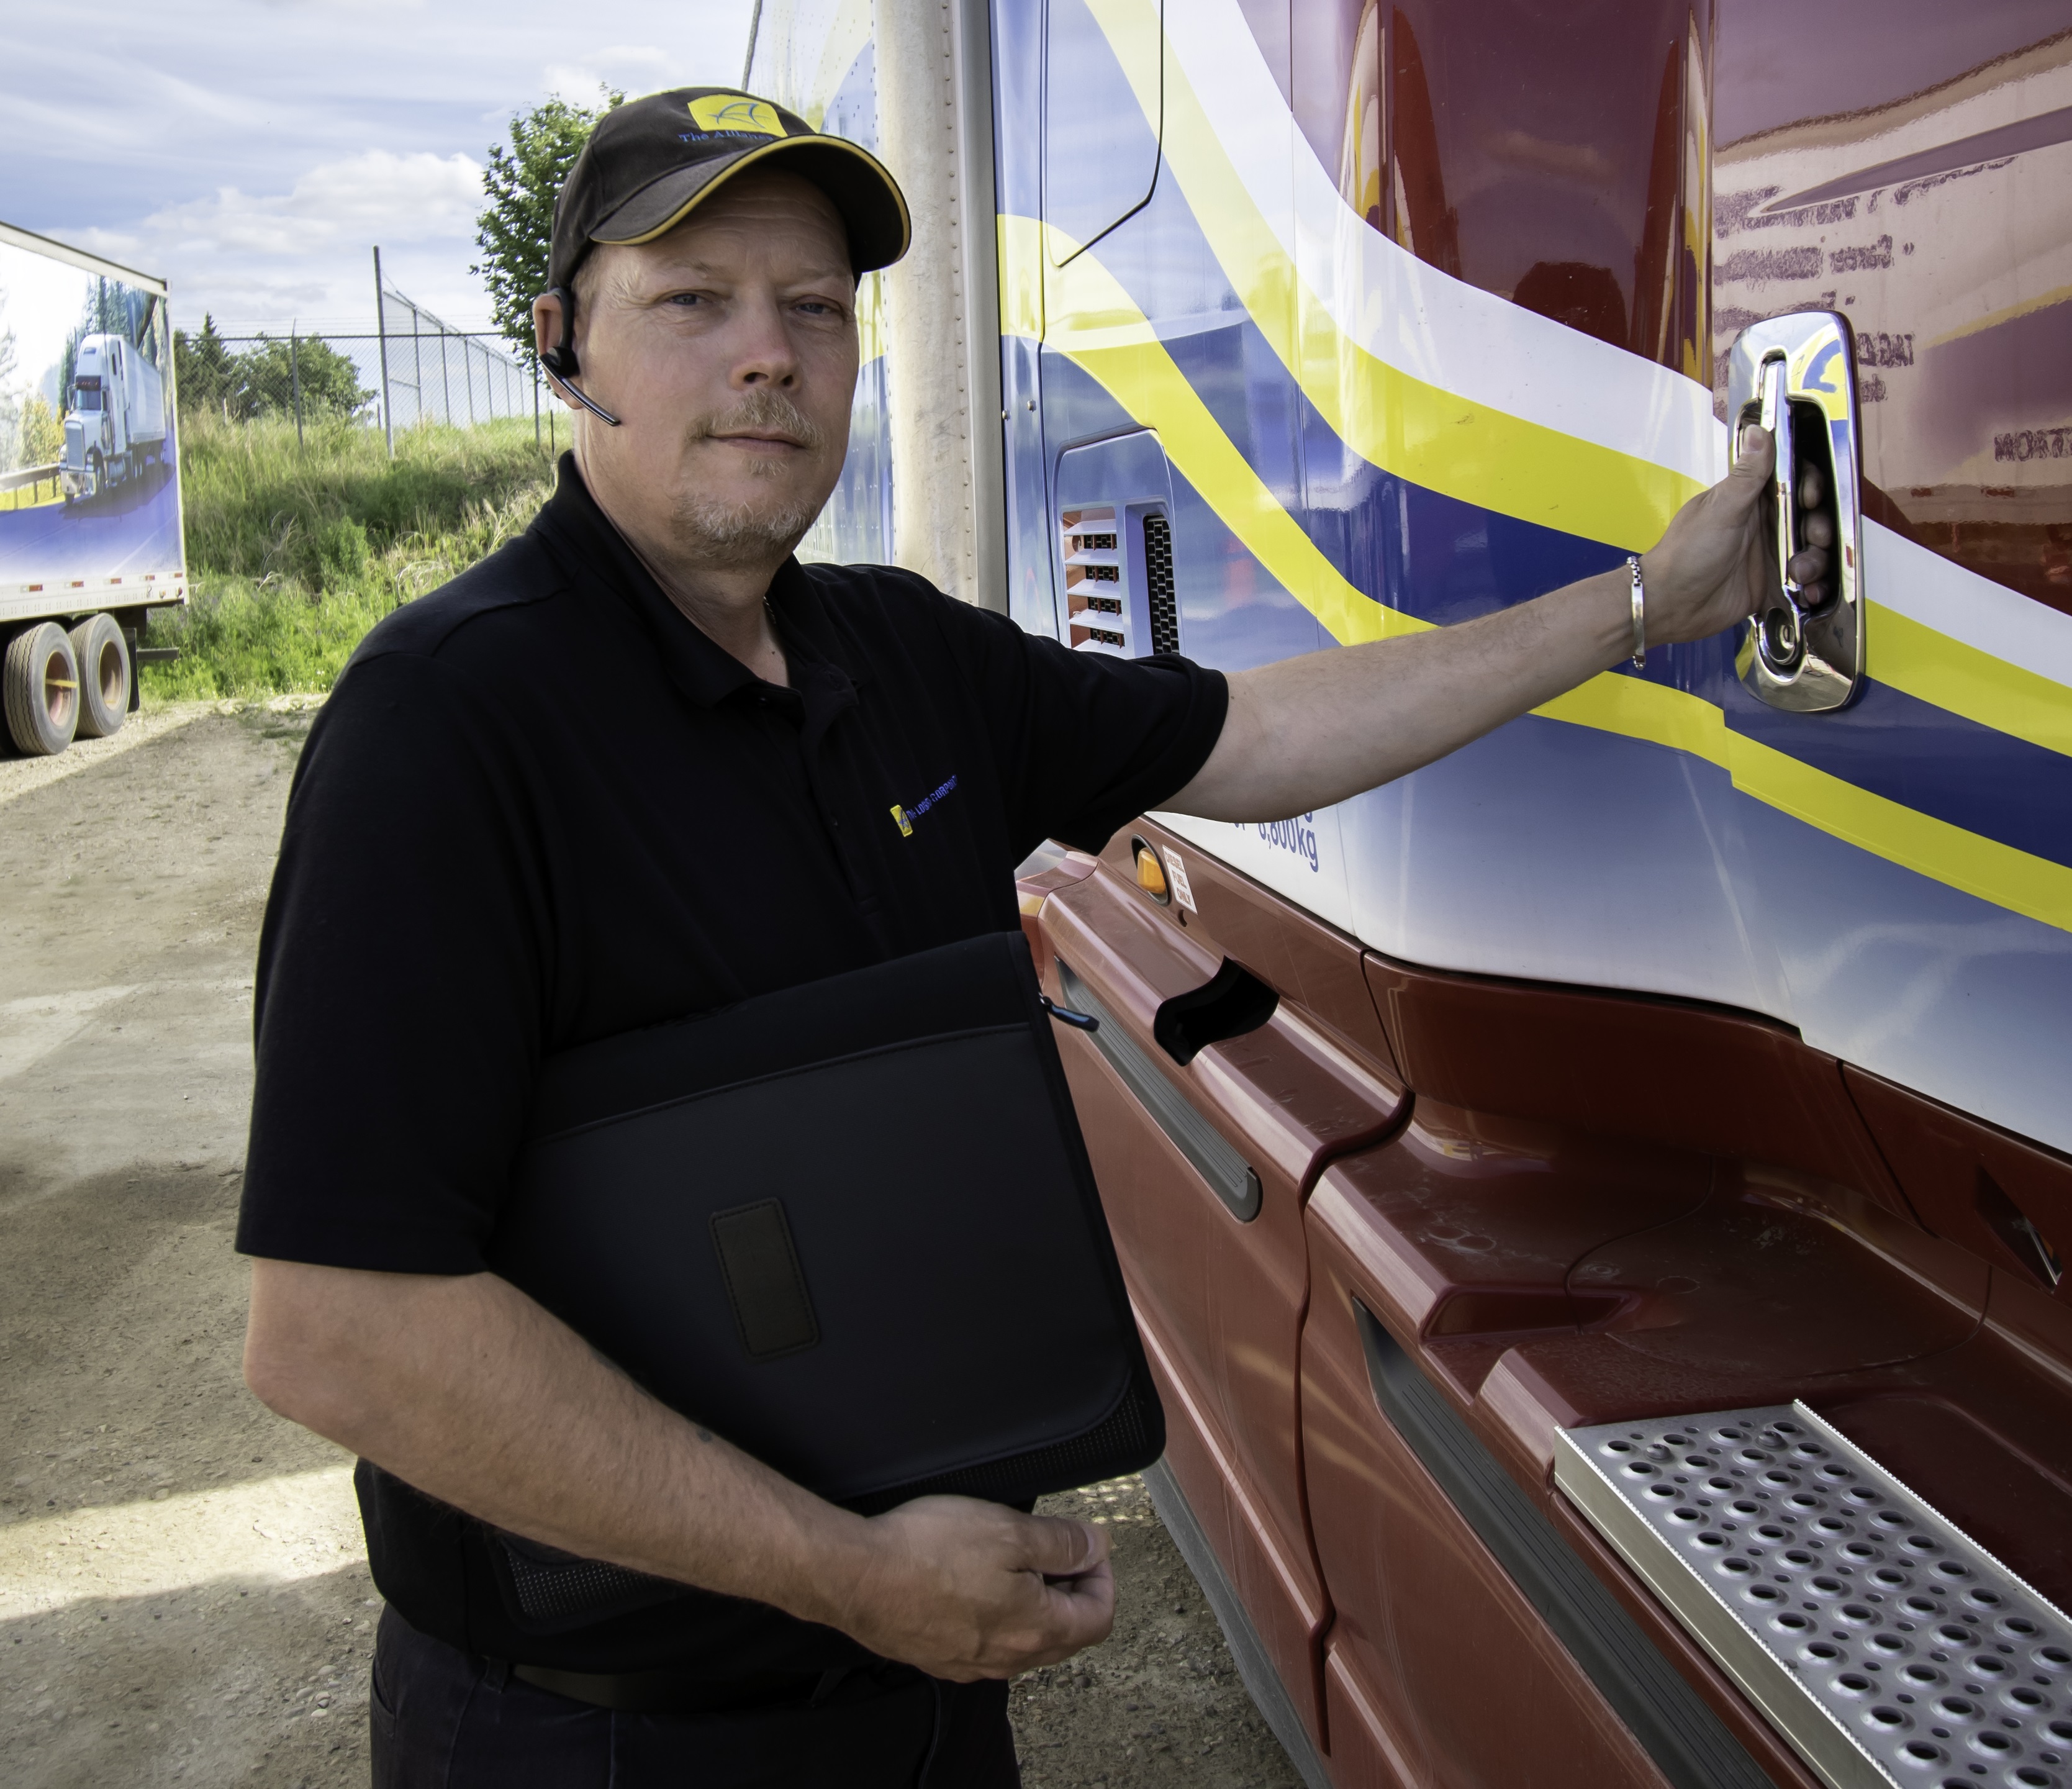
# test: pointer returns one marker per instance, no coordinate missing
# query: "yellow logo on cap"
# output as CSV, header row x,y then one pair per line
x,y
737,112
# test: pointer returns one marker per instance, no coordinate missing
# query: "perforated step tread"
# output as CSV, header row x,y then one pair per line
x,y
1883,1642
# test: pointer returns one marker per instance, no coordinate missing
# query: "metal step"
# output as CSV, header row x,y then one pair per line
x,y
1882,1642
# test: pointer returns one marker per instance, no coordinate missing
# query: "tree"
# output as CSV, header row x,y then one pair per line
x,y
261,381
43,435
516,229
201,372
109,310
14,447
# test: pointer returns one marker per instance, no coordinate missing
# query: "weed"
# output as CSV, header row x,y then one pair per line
x,y
294,553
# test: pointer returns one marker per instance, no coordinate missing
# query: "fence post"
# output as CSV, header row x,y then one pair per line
x,y
535,406
295,379
381,328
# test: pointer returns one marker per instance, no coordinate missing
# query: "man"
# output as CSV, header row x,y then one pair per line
x,y
637,765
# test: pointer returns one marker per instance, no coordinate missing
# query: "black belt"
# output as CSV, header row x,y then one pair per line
x,y
683,1692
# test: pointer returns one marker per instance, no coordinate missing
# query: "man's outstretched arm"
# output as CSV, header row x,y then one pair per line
x,y
1308,731
465,1389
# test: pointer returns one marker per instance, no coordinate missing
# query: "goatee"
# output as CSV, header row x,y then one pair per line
x,y
749,531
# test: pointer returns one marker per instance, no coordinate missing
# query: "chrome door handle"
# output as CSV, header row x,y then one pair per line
x,y
1784,479
1795,376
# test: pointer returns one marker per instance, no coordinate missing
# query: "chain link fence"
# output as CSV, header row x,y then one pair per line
x,y
407,369
432,372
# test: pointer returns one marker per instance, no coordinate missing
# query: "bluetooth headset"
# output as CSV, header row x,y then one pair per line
x,y
560,359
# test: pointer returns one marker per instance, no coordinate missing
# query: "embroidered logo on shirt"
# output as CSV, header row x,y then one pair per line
x,y
904,817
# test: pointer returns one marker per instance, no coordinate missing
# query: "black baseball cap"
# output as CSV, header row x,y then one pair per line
x,y
649,163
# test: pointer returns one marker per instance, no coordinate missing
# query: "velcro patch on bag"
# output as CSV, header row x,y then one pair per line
x,y
763,1279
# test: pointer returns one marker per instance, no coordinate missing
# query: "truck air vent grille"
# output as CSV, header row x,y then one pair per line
x,y
1097,608
1883,1642
1159,584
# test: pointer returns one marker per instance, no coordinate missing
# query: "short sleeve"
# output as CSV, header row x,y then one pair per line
x,y
1084,741
401,984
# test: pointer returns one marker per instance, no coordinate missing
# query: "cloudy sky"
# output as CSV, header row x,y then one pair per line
x,y
252,152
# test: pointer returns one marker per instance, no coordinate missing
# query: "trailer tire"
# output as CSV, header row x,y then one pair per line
x,y
103,658
42,689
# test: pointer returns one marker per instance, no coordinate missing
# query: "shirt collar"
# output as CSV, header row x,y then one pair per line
x,y
593,555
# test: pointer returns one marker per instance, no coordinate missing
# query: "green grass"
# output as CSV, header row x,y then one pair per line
x,y
294,553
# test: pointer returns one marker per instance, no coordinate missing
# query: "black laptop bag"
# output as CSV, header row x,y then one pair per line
x,y
850,1227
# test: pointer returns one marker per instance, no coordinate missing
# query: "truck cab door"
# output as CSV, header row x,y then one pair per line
x,y
1210,1098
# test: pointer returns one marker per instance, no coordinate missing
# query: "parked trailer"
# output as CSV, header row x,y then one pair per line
x,y
1598,1205
91,542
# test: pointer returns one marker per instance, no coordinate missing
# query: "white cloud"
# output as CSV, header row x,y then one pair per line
x,y
369,196
306,252
266,147
633,69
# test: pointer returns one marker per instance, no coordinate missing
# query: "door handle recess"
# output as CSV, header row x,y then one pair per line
x,y
1229,1175
1795,376
1231,1004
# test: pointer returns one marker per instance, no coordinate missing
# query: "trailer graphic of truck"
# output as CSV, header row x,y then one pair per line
x,y
115,417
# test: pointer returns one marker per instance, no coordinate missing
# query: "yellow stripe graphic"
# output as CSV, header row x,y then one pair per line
x,y
1109,338
1391,419
1104,334
1485,456
1915,658
2011,879
869,318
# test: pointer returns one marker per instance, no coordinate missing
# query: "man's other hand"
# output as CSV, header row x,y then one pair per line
x,y
964,1589
1716,565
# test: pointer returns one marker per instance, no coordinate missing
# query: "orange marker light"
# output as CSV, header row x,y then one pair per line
x,y
1151,874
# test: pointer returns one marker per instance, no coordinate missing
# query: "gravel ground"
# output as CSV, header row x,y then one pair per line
x,y
182,1592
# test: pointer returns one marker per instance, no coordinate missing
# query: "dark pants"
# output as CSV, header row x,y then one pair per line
x,y
442,1720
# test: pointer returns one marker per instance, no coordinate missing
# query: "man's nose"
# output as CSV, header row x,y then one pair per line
x,y
764,356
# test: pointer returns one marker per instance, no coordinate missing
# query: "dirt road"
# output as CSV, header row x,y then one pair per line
x,y
182,1592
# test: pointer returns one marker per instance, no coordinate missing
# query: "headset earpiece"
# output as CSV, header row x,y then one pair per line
x,y
560,359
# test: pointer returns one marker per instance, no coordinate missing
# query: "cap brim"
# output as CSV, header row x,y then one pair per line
x,y
872,207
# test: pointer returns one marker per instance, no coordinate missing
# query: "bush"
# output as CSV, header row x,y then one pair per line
x,y
43,435
293,555
342,553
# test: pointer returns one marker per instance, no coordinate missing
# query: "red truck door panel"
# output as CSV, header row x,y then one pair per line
x,y
1599,1207
1539,1274
1454,1247
1220,1297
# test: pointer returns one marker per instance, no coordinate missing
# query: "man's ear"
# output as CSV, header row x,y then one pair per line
x,y
552,325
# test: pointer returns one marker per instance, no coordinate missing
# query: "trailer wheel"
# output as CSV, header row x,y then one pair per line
x,y
41,678
104,676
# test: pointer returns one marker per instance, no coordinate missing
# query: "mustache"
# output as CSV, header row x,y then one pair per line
x,y
764,409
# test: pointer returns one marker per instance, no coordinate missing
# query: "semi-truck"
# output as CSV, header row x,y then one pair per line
x,y
115,417
90,543
1597,1207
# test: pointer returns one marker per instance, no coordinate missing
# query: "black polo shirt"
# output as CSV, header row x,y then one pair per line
x,y
541,808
